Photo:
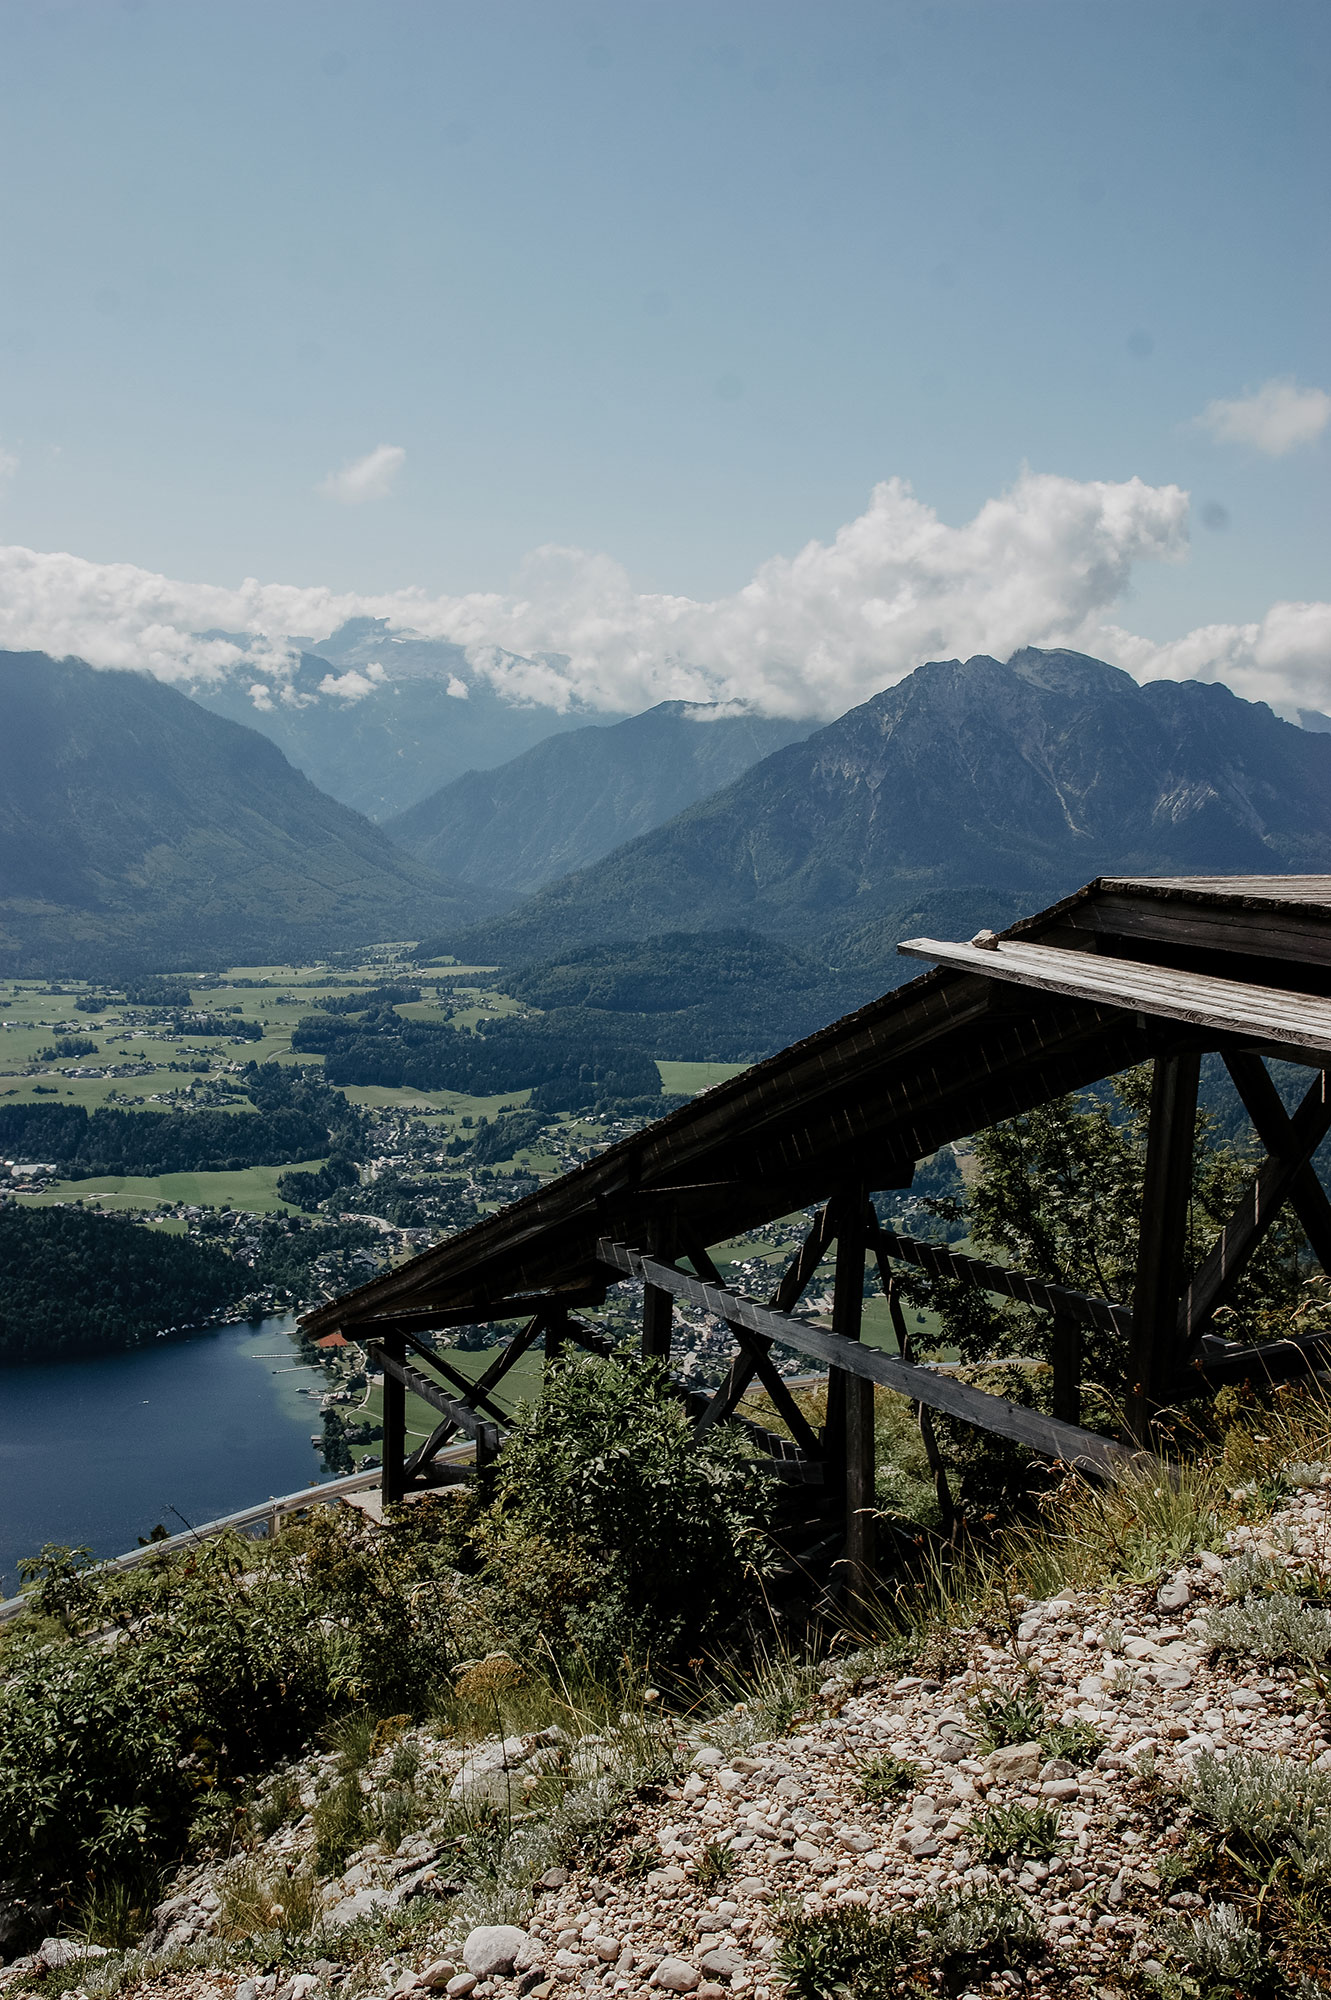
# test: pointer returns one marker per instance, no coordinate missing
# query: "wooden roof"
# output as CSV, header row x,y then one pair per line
x,y
985,1035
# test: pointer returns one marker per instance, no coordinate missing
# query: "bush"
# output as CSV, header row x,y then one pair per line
x,y
1015,1833
606,1482
1273,1628
224,1663
1269,1810
851,1954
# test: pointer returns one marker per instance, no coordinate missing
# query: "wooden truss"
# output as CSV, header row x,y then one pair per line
x,y
1122,973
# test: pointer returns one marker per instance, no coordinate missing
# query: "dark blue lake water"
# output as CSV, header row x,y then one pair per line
x,y
99,1451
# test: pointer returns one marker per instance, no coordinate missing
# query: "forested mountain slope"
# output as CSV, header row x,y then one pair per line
x,y
136,829
575,797
965,794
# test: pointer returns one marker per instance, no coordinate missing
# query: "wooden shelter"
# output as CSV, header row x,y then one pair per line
x,y
1125,971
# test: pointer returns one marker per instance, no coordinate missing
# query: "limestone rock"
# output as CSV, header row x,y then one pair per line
x,y
676,1975
1013,1763
492,1949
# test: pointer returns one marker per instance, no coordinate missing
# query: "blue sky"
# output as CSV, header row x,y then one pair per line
x,y
674,283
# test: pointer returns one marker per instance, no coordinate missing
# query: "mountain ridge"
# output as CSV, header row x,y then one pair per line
x,y
139,830
984,786
575,797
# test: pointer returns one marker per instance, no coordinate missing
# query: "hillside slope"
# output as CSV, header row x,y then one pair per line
x,y
961,796
575,797
136,829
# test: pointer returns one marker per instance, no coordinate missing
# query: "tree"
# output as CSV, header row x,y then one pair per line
x,y
1057,1194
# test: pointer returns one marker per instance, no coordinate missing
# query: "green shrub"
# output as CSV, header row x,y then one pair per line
x,y
848,1953
612,1513
1014,1833
887,1777
1001,1718
225,1662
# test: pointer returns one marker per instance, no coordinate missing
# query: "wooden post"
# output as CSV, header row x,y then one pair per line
x,y
393,1484
849,1435
556,1332
1067,1344
923,1415
487,1448
658,1306
1163,1240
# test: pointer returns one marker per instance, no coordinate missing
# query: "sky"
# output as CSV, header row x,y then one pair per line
x,y
752,351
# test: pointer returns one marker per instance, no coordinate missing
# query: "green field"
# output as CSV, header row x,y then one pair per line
x,y
686,1079
250,1188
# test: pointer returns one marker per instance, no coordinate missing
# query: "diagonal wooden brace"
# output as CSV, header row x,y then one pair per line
x,y
758,1353
793,1283
1272,1124
1253,1215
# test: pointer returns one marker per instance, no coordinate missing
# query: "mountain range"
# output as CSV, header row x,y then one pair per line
x,y
577,796
967,793
139,831
380,719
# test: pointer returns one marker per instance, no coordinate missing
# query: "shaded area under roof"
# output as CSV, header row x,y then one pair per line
x,y
957,1049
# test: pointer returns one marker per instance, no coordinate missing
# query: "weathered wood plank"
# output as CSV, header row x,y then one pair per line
x,y
1198,999
1065,1442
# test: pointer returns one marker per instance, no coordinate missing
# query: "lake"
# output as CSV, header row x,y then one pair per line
x,y
97,1452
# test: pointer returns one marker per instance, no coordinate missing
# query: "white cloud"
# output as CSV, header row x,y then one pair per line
x,y
1274,419
458,688
368,478
8,463
1045,563
353,685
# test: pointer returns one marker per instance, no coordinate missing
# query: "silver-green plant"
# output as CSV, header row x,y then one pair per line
x,y
1278,1627
1271,1812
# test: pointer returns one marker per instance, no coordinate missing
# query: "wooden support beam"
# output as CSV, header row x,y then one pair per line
x,y
391,1355
923,1415
940,1262
434,1318
1250,1220
1067,1360
425,1453
757,1352
507,1356
1274,1127
658,1306
471,1394
793,1283
1153,1350
406,1377
850,1436
1066,1442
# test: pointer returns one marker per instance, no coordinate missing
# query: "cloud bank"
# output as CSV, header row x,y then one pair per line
x,y
368,478
1274,419
1044,563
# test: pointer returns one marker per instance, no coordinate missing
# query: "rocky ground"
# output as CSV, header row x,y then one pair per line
x,y
883,1795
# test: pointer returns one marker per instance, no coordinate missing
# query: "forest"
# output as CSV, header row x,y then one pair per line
x,y
74,1282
